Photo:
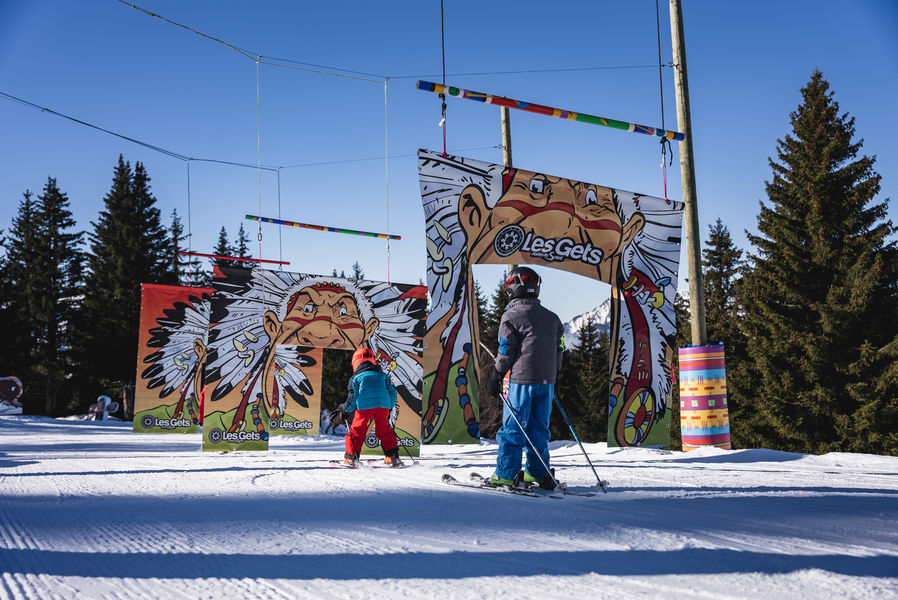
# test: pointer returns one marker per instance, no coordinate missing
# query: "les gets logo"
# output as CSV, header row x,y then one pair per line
x,y
512,238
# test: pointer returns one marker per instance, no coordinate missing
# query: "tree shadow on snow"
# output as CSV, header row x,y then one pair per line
x,y
435,565
761,455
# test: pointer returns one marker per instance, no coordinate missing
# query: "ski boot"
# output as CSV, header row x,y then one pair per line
x,y
350,461
525,479
495,480
392,459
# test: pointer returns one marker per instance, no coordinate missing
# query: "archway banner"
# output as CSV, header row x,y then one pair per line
x,y
267,328
169,390
483,213
298,414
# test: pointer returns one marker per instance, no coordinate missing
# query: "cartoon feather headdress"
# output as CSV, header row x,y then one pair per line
x,y
175,362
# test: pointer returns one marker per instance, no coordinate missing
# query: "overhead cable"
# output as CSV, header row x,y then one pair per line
x,y
362,75
186,158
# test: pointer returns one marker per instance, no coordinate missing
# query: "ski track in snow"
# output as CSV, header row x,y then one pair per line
x,y
91,510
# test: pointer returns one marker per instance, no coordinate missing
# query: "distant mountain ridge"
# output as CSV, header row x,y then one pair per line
x,y
601,317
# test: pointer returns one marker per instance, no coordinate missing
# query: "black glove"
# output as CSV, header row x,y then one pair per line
x,y
494,386
347,417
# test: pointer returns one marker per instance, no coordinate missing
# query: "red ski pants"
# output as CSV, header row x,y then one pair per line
x,y
356,436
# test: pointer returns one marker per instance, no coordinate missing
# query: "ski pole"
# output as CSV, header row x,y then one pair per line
x,y
414,462
602,484
393,422
558,486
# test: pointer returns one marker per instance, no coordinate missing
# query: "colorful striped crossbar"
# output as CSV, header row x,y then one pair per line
x,y
383,236
539,109
219,256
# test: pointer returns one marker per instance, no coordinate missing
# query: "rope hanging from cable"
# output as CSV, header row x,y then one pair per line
x,y
387,175
442,94
259,142
665,143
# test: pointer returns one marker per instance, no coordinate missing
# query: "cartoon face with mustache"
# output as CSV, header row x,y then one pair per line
x,y
324,315
578,224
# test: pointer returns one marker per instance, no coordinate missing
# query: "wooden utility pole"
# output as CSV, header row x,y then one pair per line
x,y
687,174
506,146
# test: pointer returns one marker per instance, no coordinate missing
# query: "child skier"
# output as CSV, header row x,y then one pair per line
x,y
371,397
531,343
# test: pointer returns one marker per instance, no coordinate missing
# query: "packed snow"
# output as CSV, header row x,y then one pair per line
x,y
90,510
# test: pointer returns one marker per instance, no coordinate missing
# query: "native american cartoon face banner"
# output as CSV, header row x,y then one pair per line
x,y
174,325
295,414
257,313
481,213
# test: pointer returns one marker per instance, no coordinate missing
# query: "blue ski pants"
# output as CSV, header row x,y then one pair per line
x,y
532,405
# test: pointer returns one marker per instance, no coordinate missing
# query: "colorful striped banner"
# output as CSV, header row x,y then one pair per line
x,y
704,417
383,236
219,256
428,86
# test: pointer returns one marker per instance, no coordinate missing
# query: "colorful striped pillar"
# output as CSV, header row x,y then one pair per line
x,y
704,418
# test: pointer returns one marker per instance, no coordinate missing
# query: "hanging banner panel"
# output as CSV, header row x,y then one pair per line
x,y
169,390
704,416
296,408
255,311
482,213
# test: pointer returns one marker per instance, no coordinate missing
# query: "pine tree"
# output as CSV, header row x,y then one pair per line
x,y
684,338
357,272
223,248
336,369
582,387
128,246
489,332
489,409
241,248
337,364
488,322
60,267
44,266
187,269
722,267
9,349
152,242
20,291
593,425
819,300
874,424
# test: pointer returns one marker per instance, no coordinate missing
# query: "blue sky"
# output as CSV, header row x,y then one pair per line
x,y
110,65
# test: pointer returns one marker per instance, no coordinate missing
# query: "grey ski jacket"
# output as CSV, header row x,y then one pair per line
x,y
531,342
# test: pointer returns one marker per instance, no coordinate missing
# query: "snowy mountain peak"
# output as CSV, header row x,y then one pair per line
x,y
601,317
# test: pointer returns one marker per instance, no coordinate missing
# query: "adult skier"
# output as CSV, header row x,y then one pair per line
x,y
531,343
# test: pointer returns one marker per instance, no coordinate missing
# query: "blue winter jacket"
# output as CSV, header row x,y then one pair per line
x,y
369,387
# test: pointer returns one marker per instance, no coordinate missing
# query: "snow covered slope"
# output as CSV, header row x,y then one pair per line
x,y
601,317
90,510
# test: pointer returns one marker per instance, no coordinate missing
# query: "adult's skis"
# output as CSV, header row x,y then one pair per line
x,y
480,482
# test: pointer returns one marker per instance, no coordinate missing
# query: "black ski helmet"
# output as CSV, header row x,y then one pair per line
x,y
522,282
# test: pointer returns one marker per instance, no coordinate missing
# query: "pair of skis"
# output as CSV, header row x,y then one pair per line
x,y
479,482
371,462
